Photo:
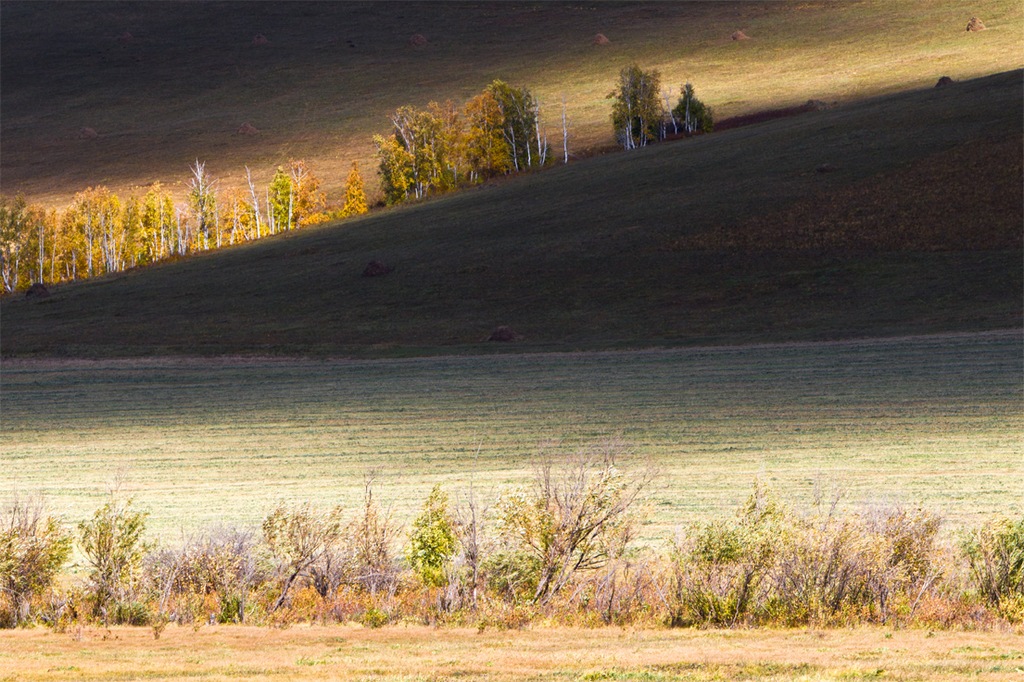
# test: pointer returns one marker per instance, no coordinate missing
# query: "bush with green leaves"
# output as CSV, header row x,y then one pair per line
x,y
996,556
576,518
114,550
298,537
33,548
718,567
432,540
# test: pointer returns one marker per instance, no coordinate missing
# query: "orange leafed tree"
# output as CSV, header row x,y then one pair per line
x,y
355,194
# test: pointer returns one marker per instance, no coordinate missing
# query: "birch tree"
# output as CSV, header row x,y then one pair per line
x,y
636,111
13,219
518,121
202,200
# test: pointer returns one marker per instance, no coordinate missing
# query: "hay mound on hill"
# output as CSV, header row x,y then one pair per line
x,y
125,38
248,129
417,40
376,268
87,133
740,35
944,81
37,290
975,24
504,334
601,39
259,39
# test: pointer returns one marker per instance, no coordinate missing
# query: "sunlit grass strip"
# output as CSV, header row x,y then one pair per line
x,y
929,420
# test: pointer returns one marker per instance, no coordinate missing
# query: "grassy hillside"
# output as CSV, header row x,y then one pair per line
x,y
165,83
621,250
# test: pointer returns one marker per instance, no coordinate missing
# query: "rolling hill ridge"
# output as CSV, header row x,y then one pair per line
x,y
623,250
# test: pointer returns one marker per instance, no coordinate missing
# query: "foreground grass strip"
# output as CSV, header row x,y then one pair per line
x,y
422,653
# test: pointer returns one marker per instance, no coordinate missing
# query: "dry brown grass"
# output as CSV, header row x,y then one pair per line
x,y
422,653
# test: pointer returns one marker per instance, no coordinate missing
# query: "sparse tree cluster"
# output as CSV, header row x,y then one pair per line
x,y
101,233
443,147
641,111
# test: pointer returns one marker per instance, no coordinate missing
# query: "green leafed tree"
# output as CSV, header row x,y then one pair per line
x,y
637,110
693,115
280,201
13,231
432,540
519,122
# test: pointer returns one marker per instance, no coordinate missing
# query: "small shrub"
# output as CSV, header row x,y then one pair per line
x,y
512,575
719,567
572,520
298,538
112,544
33,548
374,618
372,536
996,556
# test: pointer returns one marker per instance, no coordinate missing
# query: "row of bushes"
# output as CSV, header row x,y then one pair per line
x,y
561,549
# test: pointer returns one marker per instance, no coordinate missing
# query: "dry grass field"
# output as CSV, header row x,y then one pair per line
x,y
421,654
928,420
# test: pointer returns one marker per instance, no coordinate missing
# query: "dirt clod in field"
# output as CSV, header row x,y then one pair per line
x,y
259,39
376,268
504,334
248,129
37,290
417,40
944,81
740,35
975,24
87,133
601,39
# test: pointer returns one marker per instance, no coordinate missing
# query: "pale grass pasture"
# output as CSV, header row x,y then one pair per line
x,y
418,653
934,420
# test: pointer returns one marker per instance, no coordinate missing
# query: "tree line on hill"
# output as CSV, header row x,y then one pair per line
x,y
100,233
432,150
561,548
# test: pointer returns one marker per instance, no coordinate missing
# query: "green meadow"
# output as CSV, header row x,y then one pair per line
x,y
932,421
